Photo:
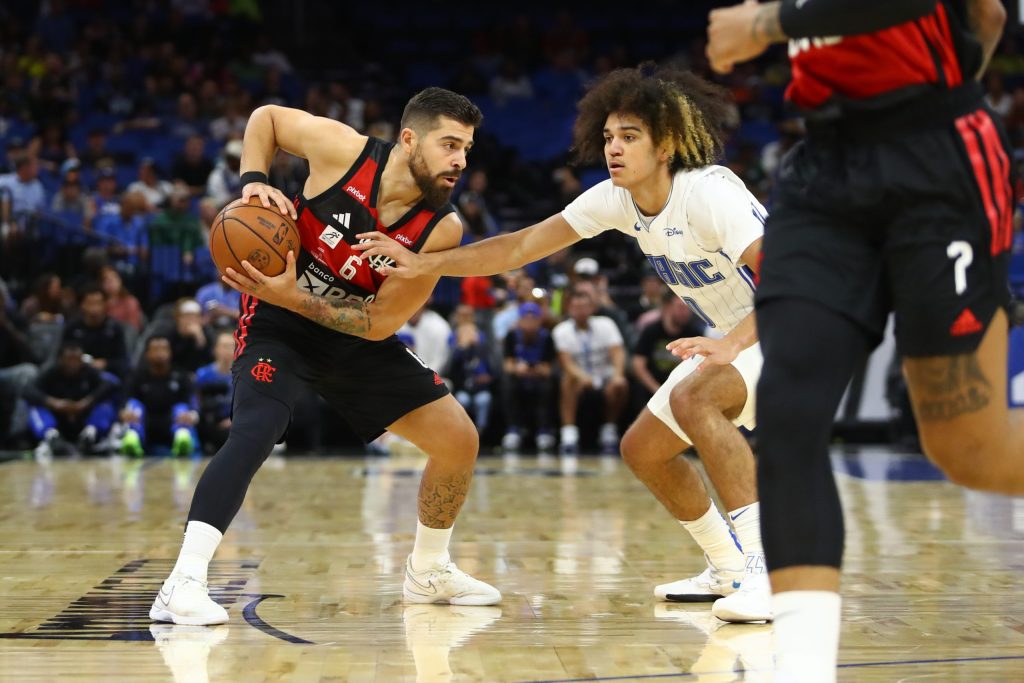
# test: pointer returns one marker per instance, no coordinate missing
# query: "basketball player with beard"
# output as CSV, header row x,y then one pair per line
x,y
329,322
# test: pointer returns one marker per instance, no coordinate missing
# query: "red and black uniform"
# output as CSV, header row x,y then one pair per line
x,y
370,383
898,200
902,167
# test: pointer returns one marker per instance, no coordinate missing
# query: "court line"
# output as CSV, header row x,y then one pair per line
x,y
254,620
855,665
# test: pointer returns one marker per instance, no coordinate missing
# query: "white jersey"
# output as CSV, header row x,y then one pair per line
x,y
694,244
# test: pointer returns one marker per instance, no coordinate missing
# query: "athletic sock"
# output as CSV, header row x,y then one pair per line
x,y
806,636
746,522
570,435
201,541
431,547
715,538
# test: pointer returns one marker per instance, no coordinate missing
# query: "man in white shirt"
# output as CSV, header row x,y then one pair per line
x,y
593,358
21,192
659,134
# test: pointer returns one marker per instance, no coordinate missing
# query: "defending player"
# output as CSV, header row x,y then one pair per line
x,y
329,322
659,135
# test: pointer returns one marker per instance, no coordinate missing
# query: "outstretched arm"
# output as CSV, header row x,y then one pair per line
x,y
486,257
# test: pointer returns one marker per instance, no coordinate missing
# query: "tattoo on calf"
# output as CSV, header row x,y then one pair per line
x,y
949,388
441,499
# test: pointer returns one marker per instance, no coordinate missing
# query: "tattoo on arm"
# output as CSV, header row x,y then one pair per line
x,y
767,26
442,498
348,316
949,387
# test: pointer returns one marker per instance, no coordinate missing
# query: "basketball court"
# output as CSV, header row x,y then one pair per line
x,y
311,571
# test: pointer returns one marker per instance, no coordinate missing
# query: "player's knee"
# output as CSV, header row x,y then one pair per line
x,y
956,458
633,449
688,405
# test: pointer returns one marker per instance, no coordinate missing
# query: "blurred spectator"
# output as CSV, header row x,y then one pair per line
x,y
21,192
596,286
96,151
430,332
651,291
215,390
343,106
652,362
521,286
176,227
790,132
269,57
105,201
219,304
231,124
17,363
99,335
155,190
529,353
511,83
160,413
190,341
71,199
186,123
71,401
126,230
995,95
48,300
51,147
470,373
122,306
593,360
192,167
224,182
288,173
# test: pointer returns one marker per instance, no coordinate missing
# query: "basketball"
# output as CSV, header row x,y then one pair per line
x,y
254,233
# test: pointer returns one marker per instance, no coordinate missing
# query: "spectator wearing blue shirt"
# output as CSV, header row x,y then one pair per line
x,y
21,192
216,390
470,373
529,353
219,304
126,233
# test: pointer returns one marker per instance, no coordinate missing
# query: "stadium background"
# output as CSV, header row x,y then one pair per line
x,y
103,94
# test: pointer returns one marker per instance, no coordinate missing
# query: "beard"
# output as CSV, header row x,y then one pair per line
x,y
435,192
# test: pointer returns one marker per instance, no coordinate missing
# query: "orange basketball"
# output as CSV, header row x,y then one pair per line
x,y
251,232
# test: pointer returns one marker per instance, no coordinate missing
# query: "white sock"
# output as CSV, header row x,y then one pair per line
x,y
570,434
714,537
431,547
201,541
746,522
806,636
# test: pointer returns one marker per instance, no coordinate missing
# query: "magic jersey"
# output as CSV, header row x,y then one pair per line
x,y
694,243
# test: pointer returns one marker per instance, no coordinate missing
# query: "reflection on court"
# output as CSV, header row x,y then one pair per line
x,y
311,575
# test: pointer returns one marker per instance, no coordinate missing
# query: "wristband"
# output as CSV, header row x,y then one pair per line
x,y
254,177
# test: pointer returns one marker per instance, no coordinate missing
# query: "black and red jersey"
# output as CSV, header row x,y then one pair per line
x,y
327,265
874,70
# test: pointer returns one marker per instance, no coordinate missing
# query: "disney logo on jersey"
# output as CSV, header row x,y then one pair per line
x,y
319,283
673,232
379,261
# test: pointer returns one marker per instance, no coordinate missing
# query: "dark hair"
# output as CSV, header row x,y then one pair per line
x,y
153,338
91,289
677,106
580,294
69,345
428,105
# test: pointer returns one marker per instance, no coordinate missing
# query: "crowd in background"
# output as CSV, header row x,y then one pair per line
x,y
120,139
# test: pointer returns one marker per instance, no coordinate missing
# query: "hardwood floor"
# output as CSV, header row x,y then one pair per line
x,y
311,574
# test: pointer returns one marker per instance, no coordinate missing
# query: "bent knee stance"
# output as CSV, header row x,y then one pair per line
x,y
258,423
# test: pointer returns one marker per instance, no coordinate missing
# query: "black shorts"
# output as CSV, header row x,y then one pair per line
x,y
371,384
913,219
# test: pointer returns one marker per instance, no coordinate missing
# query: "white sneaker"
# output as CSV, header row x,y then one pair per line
x,y
710,585
545,442
446,583
751,603
609,438
510,442
186,601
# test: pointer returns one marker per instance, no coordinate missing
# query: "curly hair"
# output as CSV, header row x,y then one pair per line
x,y
677,106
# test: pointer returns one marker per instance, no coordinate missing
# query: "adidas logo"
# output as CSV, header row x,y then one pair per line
x,y
965,324
342,219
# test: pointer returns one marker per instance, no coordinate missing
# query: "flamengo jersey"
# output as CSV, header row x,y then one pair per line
x,y
888,66
694,244
326,265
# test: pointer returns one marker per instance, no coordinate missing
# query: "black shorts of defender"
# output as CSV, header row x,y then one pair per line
x,y
371,384
909,212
